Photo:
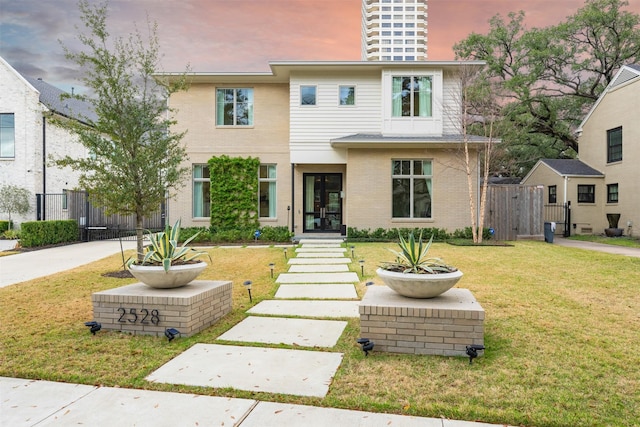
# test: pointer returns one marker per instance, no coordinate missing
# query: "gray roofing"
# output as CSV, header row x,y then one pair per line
x,y
73,108
572,167
634,66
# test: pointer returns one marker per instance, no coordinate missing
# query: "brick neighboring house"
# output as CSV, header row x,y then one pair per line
x,y
342,144
609,147
27,138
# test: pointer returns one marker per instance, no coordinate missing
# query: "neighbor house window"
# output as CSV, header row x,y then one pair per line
x,y
347,95
586,193
7,136
65,201
553,194
308,95
267,181
201,192
612,193
614,145
234,107
411,188
411,96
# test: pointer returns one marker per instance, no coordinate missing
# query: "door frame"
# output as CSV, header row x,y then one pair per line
x,y
322,203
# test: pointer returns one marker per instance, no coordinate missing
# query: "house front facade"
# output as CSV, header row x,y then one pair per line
x,y
341,144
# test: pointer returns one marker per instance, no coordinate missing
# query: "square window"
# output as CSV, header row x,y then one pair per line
x,y
308,95
614,145
234,107
612,193
586,193
411,96
347,95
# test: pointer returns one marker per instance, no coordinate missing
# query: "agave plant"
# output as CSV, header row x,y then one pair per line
x,y
413,258
164,249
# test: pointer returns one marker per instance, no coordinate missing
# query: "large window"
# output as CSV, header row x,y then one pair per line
x,y
411,96
201,192
614,145
586,193
411,188
612,193
308,95
7,135
267,181
553,194
234,107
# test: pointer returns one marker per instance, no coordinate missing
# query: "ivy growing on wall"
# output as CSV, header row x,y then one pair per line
x,y
234,192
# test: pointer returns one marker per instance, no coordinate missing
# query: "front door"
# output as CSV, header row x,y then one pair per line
x,y
322,202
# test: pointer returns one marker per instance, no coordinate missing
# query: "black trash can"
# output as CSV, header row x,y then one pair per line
x,y
548,232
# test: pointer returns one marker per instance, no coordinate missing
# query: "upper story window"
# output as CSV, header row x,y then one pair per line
x,y
7,136
308,95
234,107
586,193
553,194
411,188
347,95
614,145
411,96
612,193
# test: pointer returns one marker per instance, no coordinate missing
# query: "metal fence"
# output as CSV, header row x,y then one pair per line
x,y
93,222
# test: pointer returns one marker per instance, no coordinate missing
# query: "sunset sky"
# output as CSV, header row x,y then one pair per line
x,y
242,35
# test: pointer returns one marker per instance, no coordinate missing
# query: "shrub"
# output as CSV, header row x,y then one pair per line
x,y
276,234
5,225
41,233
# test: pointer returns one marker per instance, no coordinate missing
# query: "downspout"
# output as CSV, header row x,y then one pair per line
x,y
293,198
44,167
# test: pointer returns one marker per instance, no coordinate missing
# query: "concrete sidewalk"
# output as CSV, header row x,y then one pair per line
x,y
599,247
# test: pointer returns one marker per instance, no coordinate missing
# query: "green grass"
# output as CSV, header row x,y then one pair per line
x,y
631,242
561,333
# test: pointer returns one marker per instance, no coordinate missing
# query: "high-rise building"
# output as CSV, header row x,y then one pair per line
x,y
394,30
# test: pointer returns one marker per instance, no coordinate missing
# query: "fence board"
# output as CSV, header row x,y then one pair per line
x,y
515,211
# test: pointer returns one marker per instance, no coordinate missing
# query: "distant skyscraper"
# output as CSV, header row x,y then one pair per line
x,y
394,30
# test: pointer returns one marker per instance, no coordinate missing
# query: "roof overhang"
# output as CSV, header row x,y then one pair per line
x,y
417,141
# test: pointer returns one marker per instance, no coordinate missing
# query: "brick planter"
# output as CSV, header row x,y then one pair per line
x,y
444,325
142,310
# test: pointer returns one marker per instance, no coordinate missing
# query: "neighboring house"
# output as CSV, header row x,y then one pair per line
x,y
570,181
608,144
27,138
342,144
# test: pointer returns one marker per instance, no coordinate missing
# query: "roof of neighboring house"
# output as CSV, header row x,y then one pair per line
x,y
567,167
379,140
73,108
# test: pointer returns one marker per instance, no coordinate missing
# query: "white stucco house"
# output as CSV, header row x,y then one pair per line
x,y
27,138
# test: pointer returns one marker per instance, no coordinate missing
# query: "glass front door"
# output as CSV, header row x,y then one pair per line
x,y
322,202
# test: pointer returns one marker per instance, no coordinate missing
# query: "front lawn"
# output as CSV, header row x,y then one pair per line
x,y
561,333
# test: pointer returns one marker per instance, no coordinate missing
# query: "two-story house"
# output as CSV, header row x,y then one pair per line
x,y
605,179
341,144
28,138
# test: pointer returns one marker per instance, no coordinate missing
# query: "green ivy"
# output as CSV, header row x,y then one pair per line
x,y
234,192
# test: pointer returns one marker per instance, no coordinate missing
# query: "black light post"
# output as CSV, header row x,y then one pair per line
x,y
272,266
247,285
361,262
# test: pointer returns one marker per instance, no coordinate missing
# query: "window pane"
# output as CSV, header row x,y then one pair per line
x,y
401,198
307,95
421,198
422,97
612,193
201,191
614,145
347,95
7,135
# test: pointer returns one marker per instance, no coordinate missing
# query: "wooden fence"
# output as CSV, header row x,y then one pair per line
x,y
515,211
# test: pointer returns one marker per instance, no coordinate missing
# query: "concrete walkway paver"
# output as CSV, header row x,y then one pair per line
x,y
304,308
270,370
275,330
318,261
290,278
319,268
317,291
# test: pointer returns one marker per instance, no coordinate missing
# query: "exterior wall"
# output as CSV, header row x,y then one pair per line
x,y
26,169
267,139
618,107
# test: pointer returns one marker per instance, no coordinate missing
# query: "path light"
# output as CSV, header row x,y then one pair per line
x,y
171,333
369,284
352,251
285,253
272,266
361,262
472,351
366,344
247,285
93,326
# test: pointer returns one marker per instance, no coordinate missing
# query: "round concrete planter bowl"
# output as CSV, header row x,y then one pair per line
x,y
419,285
177,276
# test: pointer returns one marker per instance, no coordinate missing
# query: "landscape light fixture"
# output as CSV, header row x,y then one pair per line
x,y
93,326
361,262
353,248
247,285
285,253
171,333
369,284
367,345
272,266
472,351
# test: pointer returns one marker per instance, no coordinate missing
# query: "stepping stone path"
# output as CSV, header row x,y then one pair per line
x,y
317,286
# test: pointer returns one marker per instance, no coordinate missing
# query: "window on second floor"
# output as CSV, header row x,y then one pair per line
x,y
614,145
553,194
612,193
347,95
586,193
411,96
308,95
7,136
234,107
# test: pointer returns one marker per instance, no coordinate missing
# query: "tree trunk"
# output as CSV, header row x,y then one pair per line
x,y
139,237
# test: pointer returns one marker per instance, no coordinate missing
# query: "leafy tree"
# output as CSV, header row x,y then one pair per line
x,y
14,199
135,160
550,77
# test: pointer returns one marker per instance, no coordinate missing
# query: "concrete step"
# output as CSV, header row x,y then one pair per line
x,y
322,268
317,291
304,308
348,277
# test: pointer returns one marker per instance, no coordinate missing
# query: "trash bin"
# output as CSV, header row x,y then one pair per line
x,y
549,229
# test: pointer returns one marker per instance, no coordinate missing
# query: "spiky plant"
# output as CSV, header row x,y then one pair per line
x,y
413,257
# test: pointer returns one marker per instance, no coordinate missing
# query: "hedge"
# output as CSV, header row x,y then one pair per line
x,y
41,233
4,226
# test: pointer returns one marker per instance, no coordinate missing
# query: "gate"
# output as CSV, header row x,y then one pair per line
x,y
93,222
515,211
561,215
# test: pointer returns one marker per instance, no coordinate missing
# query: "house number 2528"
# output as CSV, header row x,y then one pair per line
x,y
142,316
